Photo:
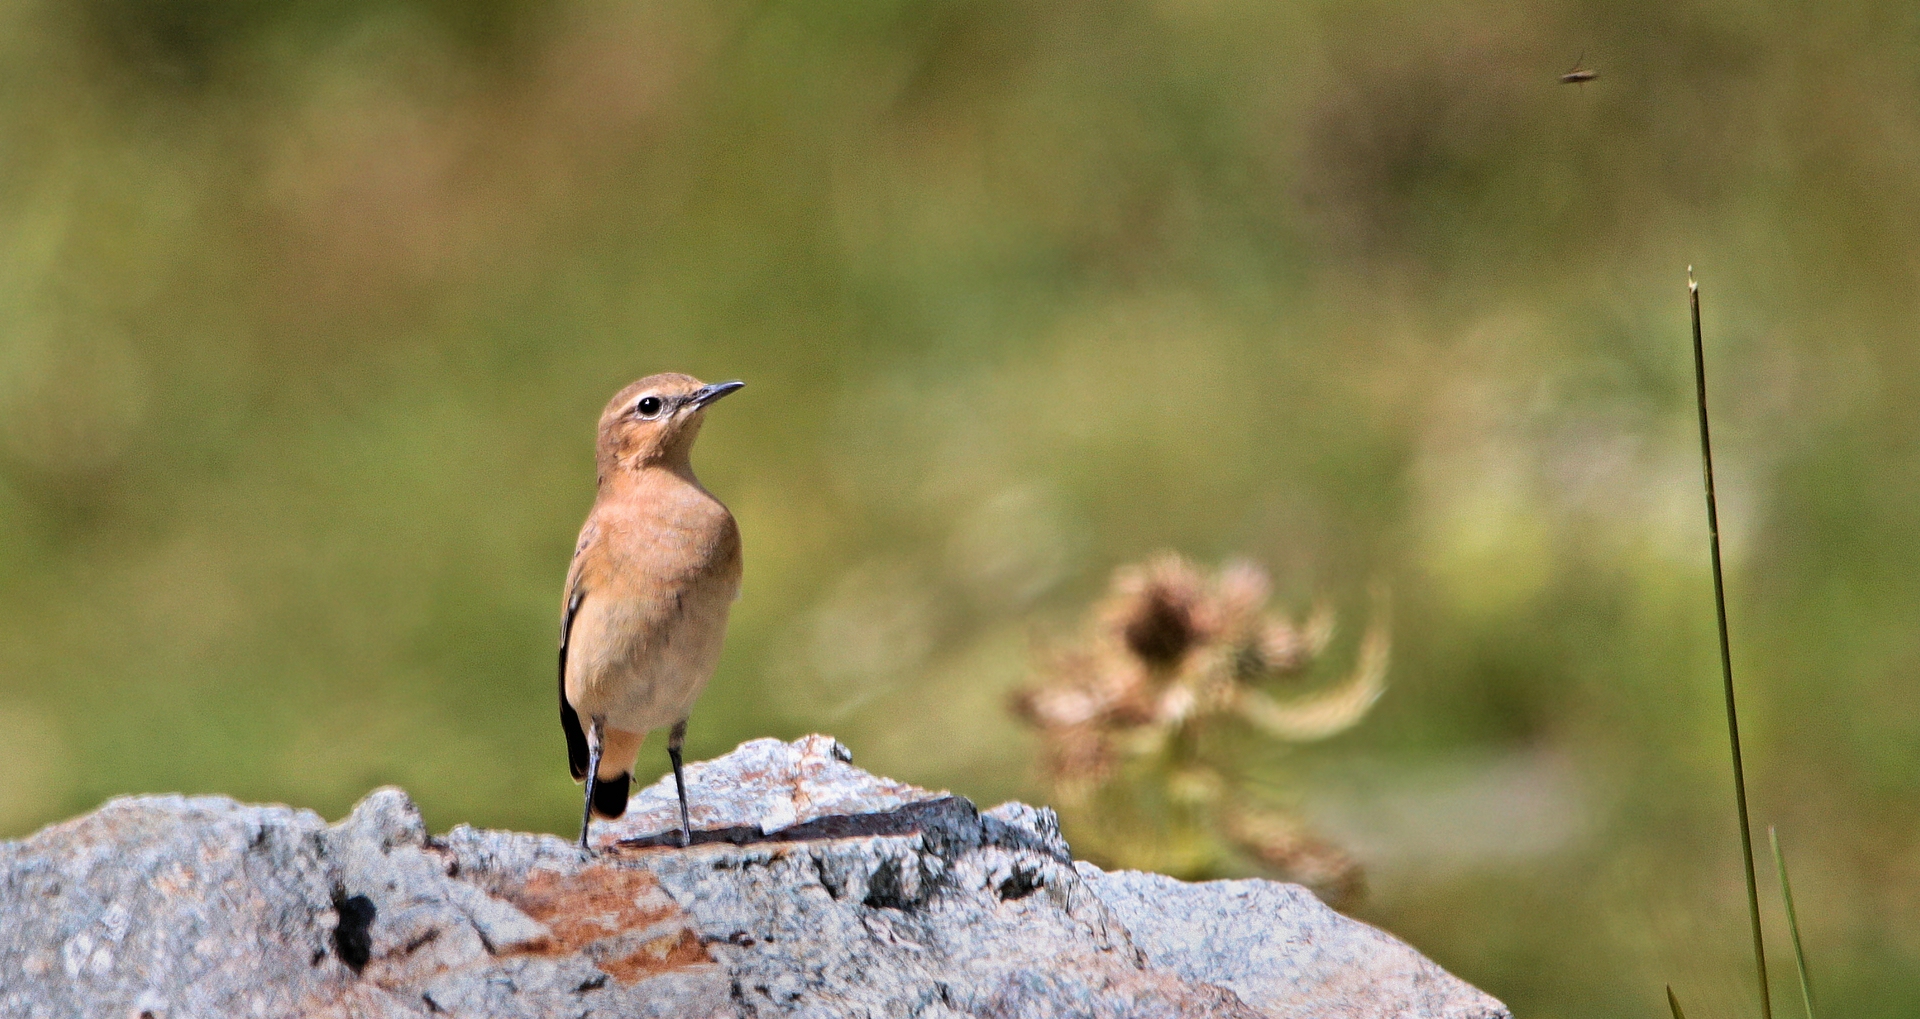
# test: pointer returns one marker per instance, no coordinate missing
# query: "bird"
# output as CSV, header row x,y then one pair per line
x,y
654,573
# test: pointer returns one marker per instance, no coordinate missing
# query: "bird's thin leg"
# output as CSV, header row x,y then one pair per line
x,y
593,774
675,738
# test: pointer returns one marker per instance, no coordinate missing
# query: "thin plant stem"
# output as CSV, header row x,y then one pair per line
x,y
1793,922
1726,656
1674,1004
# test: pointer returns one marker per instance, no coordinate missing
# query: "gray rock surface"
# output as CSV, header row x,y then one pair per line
x,y
812,889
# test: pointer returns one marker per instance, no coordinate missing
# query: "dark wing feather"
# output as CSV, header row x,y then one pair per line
x,y
569,719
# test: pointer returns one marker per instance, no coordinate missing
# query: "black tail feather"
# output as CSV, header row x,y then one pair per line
x,y
576,738
570,719
610,795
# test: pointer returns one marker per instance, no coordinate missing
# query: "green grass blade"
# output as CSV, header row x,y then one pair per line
x,y
1793,922
1726,654
1674,1003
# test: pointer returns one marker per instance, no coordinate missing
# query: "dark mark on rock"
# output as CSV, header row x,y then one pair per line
x,y
352,937
914,818
1019,885
886,889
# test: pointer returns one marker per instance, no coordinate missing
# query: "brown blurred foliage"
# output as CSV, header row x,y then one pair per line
x,y
1125,719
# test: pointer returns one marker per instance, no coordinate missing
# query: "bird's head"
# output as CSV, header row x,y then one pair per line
x,y
653,421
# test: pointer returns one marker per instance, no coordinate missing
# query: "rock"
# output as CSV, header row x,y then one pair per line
x,y
812,889
1309,963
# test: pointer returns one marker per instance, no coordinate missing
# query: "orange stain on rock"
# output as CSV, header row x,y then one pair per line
x,y
599,903
661,955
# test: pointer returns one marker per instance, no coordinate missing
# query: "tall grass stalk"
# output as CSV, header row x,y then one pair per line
x,y
1793,922
1726,657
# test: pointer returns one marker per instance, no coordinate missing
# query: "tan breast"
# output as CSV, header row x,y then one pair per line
x,y
655,604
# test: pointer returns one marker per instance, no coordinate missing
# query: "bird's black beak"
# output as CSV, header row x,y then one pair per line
x,y
707,394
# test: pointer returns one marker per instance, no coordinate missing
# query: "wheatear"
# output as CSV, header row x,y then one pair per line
x,y
654,573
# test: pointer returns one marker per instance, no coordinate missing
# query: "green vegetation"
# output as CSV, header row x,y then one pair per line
x,y
1793,923
306,311
1736,758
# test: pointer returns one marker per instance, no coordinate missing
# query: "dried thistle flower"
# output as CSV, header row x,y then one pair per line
x,y
1125,717
1159,611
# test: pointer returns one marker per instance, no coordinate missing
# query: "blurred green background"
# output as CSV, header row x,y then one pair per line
x,y
307,310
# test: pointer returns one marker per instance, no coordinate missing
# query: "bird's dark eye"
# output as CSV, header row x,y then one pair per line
x,y
648,406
